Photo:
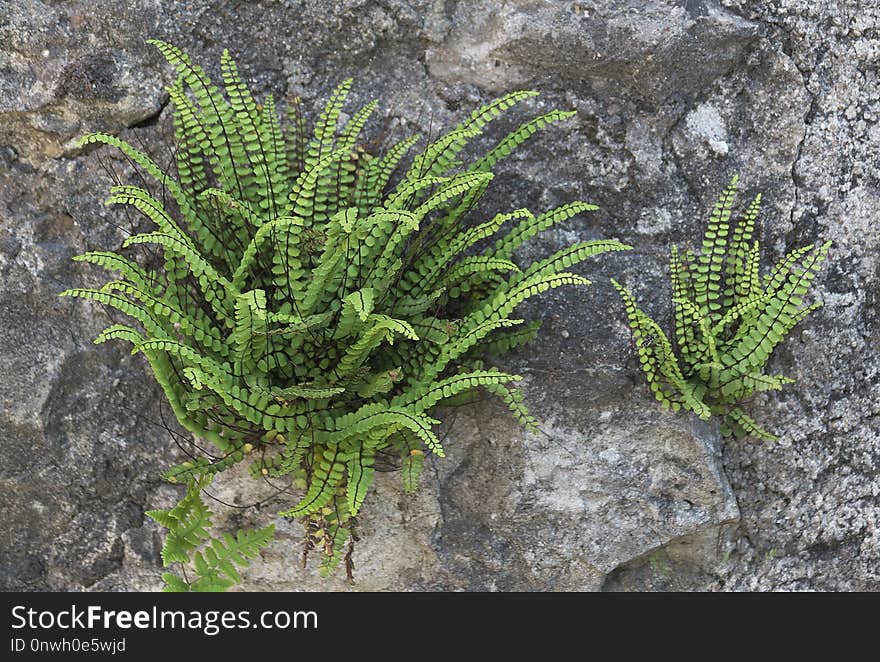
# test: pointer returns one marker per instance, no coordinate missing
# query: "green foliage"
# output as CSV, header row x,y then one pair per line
x,y
727,318
213,560
316,301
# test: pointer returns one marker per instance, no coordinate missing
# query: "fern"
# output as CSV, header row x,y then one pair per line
x,y
318,302
188,543
727,320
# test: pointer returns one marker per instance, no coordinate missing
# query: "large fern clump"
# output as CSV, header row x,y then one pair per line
x,y
316,300
728,320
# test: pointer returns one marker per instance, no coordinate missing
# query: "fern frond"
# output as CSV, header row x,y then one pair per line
x,y
530,226
741,424
327,475
514,139
424,400
216,564
412,470
709,268
187,523
360,477
126,268
121,332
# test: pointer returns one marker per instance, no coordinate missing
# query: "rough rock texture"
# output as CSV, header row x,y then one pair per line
x,y
672,99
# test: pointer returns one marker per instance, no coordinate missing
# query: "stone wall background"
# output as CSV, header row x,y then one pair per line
x,y
673,97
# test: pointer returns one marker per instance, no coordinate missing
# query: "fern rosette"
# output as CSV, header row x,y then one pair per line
x,y
728,320
317,301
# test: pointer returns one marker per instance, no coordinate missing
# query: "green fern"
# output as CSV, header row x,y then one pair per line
x,y
212,560
314,307
727,320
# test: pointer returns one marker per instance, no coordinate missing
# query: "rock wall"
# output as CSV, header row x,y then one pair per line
x,y
673,97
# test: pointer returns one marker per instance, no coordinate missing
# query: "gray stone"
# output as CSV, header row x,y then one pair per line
x,y
673,98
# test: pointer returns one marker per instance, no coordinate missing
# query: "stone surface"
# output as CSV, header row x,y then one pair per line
x,y
672,97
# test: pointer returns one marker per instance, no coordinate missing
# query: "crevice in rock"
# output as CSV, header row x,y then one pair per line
x,y
105,565
670,566
153,118
808,120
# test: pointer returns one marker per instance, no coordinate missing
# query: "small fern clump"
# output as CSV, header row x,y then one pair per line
x,y
313,306
214,565
728,320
